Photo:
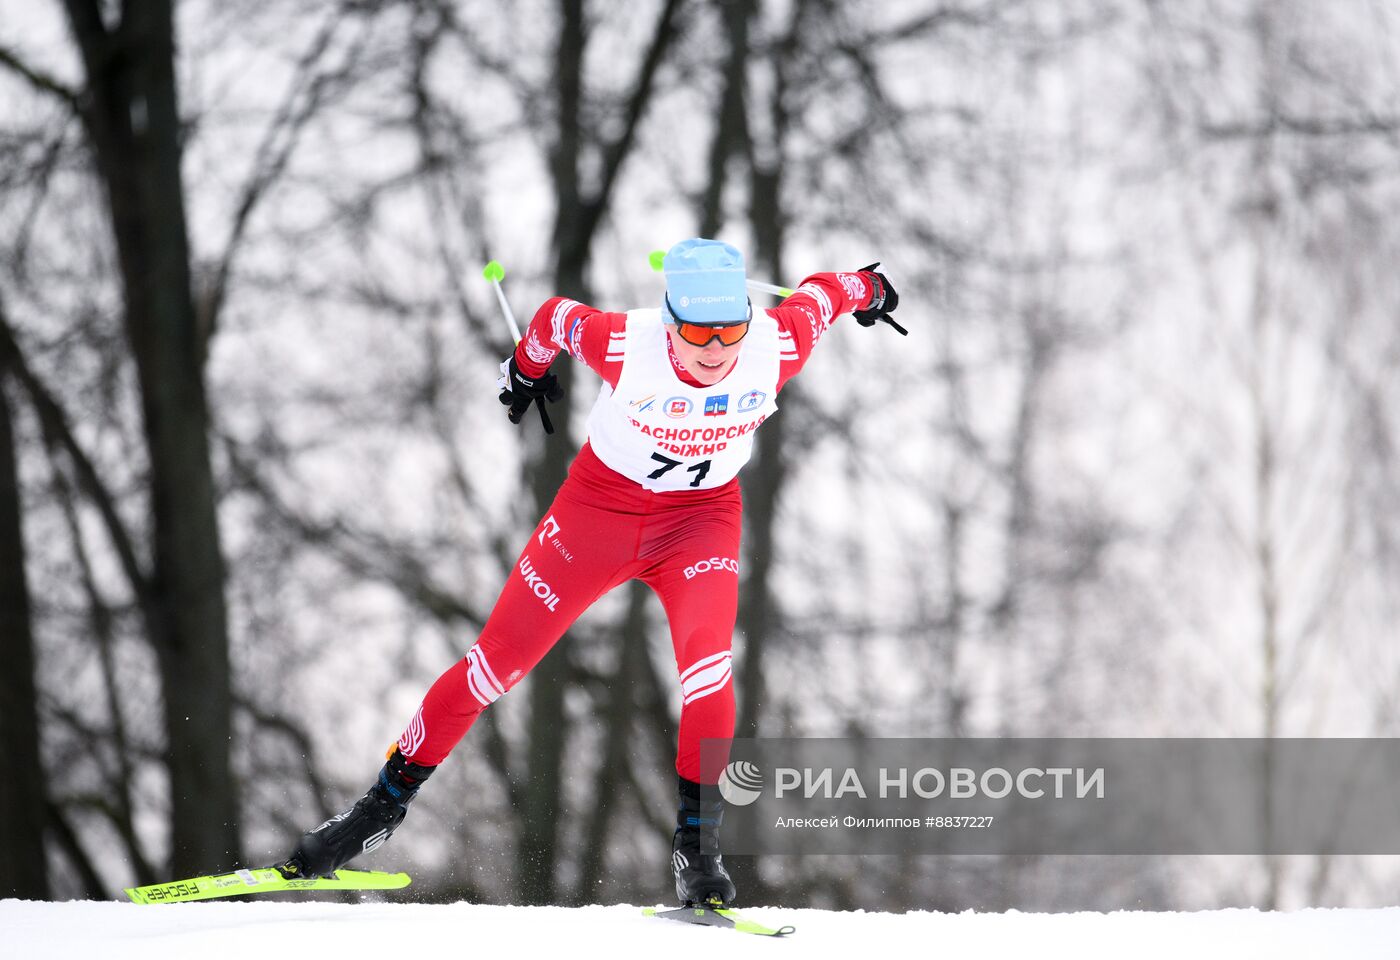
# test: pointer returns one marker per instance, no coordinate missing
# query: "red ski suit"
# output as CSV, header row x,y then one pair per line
x,y
604,529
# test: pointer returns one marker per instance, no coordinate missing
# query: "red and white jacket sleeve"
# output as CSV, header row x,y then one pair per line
x,y
811,310
583,332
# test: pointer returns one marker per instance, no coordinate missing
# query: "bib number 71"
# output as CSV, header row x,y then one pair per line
x,y
667,464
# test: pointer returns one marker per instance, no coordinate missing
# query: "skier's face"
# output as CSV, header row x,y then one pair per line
x,y
707,364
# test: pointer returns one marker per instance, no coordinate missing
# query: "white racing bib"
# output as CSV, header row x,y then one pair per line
x,y
667,435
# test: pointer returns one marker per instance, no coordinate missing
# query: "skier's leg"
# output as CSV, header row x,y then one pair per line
x,y
575,554
698,582
571,559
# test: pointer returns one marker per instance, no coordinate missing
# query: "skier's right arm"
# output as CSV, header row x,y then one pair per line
x,y
585,333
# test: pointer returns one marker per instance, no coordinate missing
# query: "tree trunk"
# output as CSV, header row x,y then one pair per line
x,y
23,867
618,717
732,124
132,120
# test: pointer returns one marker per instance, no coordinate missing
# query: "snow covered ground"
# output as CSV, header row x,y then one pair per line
x,y
125,931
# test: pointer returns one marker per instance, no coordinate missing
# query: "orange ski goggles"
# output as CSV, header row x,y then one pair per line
x,y
700,334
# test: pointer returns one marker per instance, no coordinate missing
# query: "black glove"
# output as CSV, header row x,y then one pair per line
x,y
518,391
881,303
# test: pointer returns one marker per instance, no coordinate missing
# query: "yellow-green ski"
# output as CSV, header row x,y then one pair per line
x,y
262,880
718,917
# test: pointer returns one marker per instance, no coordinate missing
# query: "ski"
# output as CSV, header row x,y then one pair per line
x,y
718,917
262,880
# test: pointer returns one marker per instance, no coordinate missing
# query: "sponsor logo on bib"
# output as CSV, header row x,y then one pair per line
x,y
677,407
717,405
752,400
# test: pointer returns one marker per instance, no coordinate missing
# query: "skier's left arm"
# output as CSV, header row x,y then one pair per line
x,y
806,315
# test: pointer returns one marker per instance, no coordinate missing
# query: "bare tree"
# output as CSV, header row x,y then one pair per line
x,y
130,112
23,805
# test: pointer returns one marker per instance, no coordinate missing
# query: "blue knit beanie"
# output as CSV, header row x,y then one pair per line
x,y
705,283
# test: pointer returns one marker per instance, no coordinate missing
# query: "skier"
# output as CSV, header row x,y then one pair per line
x,y
652,495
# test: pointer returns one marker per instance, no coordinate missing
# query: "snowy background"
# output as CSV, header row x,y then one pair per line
x,y
1133,473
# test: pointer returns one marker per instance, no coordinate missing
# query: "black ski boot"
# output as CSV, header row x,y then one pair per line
x,y
701,879
366,825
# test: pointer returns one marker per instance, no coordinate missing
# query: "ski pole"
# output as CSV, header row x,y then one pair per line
x,y
496,273
657,257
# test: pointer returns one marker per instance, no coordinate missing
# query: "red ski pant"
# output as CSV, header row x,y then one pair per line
x,y
600,532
